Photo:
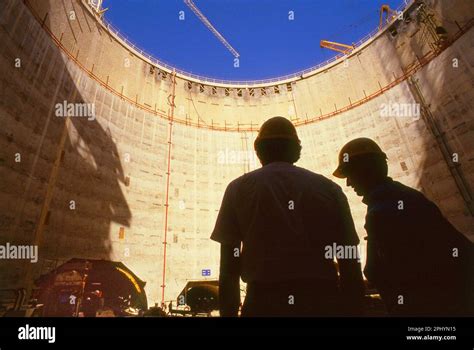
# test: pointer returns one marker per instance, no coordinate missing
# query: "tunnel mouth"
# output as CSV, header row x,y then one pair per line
x,y
198,297
84,287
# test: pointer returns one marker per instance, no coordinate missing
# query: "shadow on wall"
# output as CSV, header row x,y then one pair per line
x,y
86,194
442,84
438,86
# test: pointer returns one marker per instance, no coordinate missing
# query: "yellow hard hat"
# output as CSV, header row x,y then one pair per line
x,y
277,128
356,147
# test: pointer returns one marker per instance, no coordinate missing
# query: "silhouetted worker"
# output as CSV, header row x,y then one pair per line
x,y
276,226
416,259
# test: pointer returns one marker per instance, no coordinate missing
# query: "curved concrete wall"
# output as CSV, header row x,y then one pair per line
x,y
115,167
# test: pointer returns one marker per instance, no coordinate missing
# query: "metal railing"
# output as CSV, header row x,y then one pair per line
x,y
161,64
409,70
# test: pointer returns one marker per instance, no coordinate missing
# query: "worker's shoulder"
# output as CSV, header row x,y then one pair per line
x,y
394,194
317,178
304,175
406,192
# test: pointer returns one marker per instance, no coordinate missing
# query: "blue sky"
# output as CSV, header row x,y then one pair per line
x,y
268,42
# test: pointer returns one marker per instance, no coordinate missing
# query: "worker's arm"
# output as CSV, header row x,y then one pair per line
x,y
229,281
351,281
227,233
352,286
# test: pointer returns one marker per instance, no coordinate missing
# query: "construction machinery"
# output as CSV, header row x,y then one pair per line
x,y
209,26
387,15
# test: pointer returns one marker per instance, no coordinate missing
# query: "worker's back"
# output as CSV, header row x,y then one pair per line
x,y
285,216
413,250
283,219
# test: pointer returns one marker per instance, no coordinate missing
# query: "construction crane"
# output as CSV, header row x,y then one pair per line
x,y
343,48
97,6
390,15
347,49
209,25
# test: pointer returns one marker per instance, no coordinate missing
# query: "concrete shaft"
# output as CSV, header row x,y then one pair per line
x,y
114,167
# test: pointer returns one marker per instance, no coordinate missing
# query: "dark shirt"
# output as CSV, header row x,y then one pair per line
x,y
285,216
411,247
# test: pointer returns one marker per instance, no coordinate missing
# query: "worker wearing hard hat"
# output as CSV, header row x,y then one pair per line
x,y
417,260
277,226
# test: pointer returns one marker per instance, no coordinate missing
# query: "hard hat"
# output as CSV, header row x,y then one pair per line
x,y
277,128
356,147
